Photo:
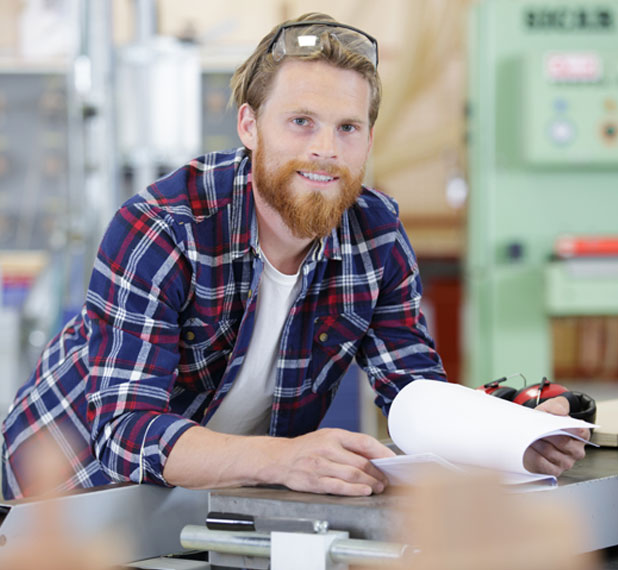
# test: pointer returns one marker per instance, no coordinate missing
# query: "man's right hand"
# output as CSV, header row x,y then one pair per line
x,y
325,461
330,461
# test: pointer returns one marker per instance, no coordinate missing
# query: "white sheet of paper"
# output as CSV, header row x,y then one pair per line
x,y
468,427
404,470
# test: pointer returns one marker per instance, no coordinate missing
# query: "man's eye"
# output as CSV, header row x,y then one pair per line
x,y
348,128
300,121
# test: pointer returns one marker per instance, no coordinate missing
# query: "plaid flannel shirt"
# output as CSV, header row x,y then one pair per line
x,y
169,315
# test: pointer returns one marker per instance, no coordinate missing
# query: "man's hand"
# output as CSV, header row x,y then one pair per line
x,y
325,461
558,453
331,461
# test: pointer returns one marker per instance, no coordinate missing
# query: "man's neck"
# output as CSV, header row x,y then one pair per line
x,y
284,250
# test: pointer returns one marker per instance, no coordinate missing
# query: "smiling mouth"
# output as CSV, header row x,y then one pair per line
x,y
315,177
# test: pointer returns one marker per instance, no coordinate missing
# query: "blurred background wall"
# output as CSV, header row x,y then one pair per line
x,y
87,118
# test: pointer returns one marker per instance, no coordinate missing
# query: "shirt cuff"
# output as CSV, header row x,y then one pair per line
x,y
161,433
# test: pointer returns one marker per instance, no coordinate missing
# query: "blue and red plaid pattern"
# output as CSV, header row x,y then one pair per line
x,y
169,315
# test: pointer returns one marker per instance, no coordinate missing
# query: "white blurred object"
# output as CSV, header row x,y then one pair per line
x,y
49,29
456,191
159,101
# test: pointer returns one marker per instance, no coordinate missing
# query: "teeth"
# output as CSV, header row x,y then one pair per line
x,y
317,177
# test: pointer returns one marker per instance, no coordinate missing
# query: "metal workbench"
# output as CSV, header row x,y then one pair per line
x,y
591,487
154,517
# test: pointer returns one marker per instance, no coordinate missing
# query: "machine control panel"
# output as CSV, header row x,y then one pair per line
x,y
570,108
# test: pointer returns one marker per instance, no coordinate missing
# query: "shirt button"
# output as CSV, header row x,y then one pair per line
x,y
249,293
323,337
190,335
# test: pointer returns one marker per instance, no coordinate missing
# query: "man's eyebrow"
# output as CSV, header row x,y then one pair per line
x,y
344,121
354,121
301,111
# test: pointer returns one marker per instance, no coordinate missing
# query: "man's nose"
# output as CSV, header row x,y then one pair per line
x,y
324,144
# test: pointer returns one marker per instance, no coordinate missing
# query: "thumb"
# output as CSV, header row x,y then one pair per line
x,y
558,406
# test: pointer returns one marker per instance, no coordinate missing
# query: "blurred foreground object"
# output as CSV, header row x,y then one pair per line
x,y
50,544
469,522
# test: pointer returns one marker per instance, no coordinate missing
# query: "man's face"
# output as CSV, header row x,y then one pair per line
x,y
310,143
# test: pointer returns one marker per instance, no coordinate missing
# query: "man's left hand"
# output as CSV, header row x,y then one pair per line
x,y
558,453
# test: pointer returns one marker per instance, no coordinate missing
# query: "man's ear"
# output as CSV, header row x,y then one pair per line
x,y
247,126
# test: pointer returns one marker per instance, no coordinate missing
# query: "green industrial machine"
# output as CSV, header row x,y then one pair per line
x,y
543,164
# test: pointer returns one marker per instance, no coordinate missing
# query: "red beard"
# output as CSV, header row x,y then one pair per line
x,y
312,214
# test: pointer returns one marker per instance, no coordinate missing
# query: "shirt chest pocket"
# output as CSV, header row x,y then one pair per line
x,y
336,339
206,347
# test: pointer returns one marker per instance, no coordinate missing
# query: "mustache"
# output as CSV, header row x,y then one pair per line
x,y
318,166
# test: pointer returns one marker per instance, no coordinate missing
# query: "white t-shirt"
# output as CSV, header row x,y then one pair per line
x,y
246,408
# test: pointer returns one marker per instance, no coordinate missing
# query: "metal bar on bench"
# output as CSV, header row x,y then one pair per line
x,y
225,541
350,551
357,551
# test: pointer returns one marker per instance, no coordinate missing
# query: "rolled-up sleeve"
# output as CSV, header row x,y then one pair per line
x,y
141,281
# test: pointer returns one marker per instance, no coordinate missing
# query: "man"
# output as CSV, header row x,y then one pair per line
x,y
228,299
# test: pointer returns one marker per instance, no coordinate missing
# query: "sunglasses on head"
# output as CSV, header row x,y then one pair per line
x,y
304,38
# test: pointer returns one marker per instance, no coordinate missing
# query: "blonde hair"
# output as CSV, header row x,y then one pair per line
x,y
252,81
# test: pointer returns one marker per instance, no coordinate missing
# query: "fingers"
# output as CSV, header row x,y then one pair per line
x,y
584,433
553,455
557,446
349,465
556,454
559,406
537,463
336,486
340,479
334,461
356,449
333,478
361,443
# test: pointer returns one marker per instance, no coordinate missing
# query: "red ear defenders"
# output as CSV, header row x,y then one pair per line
x,y
582,406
